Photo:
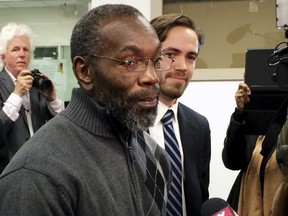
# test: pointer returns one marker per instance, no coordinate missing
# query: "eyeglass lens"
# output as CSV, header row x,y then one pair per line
x,y
163,63
160,64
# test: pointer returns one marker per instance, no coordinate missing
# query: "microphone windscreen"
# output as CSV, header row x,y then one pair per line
x,y
216,206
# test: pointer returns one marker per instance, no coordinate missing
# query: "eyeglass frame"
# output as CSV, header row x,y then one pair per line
x,y
126,62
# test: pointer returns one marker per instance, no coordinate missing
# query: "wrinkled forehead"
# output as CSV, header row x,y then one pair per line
x,y
128,32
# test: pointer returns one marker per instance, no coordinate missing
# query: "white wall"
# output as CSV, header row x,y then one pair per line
x,y
51,25
215,100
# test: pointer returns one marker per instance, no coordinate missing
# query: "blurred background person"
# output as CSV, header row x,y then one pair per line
x,y
24,108
280,207
181,40
255,186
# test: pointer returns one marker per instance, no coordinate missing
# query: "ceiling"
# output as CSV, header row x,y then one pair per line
x,y
41,3
55,3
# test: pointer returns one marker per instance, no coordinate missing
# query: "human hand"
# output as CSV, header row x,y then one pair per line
x,y
242,96
23,83
48,93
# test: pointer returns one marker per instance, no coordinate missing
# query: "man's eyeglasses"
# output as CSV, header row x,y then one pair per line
x,y
138,64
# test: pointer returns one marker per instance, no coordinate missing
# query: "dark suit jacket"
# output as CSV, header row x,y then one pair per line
x,y
196,143
17,132
4,152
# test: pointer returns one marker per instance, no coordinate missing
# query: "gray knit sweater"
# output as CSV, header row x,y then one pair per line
x,y
79,164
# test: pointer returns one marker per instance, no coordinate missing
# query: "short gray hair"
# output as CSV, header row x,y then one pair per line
x,y
87,37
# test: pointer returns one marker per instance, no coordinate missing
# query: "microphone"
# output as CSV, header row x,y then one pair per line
x,y
217,207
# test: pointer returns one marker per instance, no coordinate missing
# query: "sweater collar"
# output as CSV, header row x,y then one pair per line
x,y
86,113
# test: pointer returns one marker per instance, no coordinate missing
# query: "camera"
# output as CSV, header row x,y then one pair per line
x,y
40,81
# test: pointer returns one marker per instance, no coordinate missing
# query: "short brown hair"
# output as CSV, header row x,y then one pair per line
x,y
164,23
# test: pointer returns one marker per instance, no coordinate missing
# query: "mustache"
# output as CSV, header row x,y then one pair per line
x,y
151,92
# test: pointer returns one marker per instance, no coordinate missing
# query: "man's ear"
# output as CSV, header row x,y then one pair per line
x,y
2,56
83,73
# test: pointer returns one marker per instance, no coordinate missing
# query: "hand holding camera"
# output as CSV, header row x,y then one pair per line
x,y
23,83
45,85
41,82
26,80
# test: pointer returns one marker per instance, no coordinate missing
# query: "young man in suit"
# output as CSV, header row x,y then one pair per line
x,y
23,107
181,40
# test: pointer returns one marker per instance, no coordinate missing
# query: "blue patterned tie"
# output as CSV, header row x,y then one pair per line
x,y
174,203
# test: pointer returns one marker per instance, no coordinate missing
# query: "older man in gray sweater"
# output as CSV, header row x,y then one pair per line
x,y
94,158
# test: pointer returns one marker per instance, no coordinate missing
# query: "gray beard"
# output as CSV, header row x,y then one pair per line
x,y
133,119
123,110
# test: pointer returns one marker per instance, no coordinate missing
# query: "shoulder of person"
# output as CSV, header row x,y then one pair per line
x,y
190,113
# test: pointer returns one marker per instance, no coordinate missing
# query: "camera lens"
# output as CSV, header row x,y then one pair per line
x,y
39,81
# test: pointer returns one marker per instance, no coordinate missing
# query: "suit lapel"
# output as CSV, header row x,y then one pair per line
x,y
182,125
7,82
9,87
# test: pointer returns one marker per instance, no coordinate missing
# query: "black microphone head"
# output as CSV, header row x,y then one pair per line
x,y
215,205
